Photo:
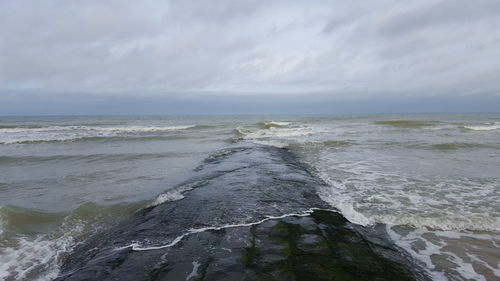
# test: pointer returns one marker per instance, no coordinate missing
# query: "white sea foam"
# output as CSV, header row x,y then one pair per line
x,y
20,140
424,256
408,209
36,258
429,247
95,128
138,247
345,206
484,127
275,136
176,193
368,197
276,123
71,133
132,129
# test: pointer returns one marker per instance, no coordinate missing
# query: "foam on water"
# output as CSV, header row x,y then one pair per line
x,y
384,198
34,243
137,246
125,129
37,257
271,124
71,133
278,134
176,193
431,248
491,127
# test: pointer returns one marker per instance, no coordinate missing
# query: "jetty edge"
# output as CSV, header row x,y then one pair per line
x,y
248,213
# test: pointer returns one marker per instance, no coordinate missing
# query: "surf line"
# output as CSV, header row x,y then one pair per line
x,y
137,246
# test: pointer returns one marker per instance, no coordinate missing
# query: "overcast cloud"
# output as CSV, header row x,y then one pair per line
x,y
322,50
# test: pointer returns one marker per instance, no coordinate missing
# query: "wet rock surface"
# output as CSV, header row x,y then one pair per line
x,y
247,215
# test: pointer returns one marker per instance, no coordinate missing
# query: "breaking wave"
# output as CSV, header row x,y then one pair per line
x,y
492,127
34,243
176,193
271,124
22,135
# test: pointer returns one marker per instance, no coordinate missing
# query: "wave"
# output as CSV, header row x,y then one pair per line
x,y
176,193
274,136
461,145
87,138
33,243
8,126
202,127
337,143
120,129
20,220
80,133
28,221
239,134
448,146
443,223
89,157
407,123
271,124
36,258
483,128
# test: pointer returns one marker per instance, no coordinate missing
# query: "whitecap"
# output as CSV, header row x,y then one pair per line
x,y
483,128
37,258
73,133
176,193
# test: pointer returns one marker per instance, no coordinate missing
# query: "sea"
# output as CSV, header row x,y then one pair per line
x,y
431,180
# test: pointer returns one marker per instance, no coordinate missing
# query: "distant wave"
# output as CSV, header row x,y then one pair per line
x,y
270,124
86,138
90,157
461,145
406,123
22,135
337,143
483,128
278,136
444,146
124,129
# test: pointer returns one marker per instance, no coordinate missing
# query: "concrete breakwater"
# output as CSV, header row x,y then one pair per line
x,y
247,213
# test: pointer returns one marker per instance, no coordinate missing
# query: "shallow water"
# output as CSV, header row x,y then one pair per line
x,y
431,179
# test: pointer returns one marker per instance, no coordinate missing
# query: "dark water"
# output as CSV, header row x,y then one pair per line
x,y
433,180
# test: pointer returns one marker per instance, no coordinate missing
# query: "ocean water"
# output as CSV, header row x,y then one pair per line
x,y
433,181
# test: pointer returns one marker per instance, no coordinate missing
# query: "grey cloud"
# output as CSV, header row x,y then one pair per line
x,y
443,12
158,48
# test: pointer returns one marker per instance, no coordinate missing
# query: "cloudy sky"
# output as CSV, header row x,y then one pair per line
x,y
220,56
